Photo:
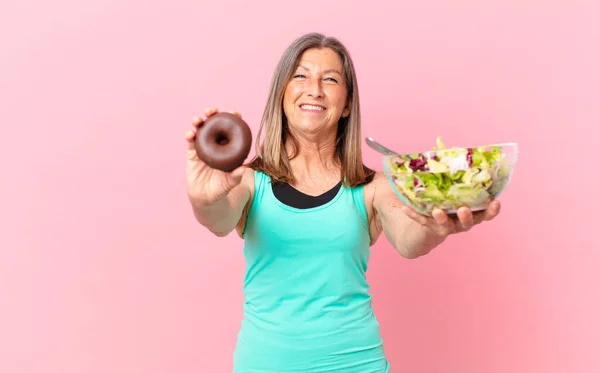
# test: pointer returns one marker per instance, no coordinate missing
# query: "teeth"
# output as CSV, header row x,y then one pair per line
x,y
312,107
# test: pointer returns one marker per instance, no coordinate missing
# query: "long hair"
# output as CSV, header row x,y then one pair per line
x,y
271,156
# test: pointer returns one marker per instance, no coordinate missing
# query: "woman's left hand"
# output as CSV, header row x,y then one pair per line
x,y
443,225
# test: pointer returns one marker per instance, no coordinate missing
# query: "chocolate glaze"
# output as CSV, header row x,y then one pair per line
x,y
223,141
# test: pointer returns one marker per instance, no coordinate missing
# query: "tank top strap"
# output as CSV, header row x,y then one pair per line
x,y
261,181
358,196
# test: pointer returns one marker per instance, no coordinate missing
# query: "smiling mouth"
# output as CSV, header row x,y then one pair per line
x,y
315,108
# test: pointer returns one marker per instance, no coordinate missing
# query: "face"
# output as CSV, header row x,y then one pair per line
x,y
315,98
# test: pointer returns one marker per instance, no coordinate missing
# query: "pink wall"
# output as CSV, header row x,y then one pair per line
x,y
103,269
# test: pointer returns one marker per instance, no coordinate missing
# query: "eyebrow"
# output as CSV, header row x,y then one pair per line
x,y
324,72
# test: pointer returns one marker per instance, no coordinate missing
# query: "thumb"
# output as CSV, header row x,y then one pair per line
x,y
235,176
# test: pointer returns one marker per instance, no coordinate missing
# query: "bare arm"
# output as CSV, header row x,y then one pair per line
x,y
413,234
408,237
222,216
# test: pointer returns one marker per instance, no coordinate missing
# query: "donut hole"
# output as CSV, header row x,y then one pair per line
x,y
222,139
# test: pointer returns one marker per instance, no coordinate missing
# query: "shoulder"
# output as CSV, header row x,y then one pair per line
x,y
379,184
376,191
380,194
248,180
253,180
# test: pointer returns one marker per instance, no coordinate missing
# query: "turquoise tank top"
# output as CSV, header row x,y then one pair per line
x,y
307,304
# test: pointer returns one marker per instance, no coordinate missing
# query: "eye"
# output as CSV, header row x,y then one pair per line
x,y
299,76
331,79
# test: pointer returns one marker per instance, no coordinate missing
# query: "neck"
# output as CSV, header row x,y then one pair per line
x,y
315,157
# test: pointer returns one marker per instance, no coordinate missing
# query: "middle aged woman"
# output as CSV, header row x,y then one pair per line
x,y
308,211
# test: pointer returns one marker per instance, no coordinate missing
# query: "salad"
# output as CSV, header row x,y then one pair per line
x,y
449,178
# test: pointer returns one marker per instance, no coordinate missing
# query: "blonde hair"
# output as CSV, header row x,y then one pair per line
x,y
271,156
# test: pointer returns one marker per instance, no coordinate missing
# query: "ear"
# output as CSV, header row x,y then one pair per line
x,y
346,111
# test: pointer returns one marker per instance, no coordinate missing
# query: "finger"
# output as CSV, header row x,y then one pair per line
x,y
210,111
235,113
235,177
478,217
440,216
190,136
197,121
492,211
446,224
237,174
465,218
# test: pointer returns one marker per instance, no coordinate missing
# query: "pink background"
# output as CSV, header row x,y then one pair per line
x,y
103,268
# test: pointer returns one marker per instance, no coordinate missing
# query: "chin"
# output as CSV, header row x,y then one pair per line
x,y
313,124
311,127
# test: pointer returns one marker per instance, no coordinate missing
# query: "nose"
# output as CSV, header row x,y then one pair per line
x,y
314,88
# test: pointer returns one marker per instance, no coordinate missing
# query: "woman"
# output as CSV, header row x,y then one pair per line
x,y
308,211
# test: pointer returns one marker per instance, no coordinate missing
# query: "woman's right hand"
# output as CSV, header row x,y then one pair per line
x,y
207,185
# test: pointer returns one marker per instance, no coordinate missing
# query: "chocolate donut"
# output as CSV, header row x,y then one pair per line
x,y
223,141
